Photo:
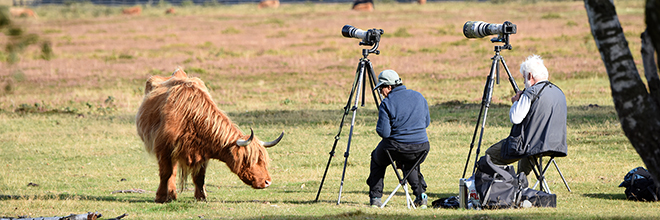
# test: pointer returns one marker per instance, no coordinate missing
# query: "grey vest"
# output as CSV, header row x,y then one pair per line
x,y
544,126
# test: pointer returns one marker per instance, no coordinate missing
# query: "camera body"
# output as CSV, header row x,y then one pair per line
x,y
369,37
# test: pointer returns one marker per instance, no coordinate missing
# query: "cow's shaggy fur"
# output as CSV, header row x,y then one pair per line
x,y
180,124
363,5
22,12
136,10
269,4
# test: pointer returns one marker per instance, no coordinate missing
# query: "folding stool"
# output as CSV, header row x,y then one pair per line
x,y
539,171
403,181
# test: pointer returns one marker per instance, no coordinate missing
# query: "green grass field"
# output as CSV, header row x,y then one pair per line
x,y
67,125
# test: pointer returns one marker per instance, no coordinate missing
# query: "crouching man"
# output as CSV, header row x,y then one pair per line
x,y
403,117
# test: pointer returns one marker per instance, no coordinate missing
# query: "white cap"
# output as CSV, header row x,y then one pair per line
x,y
388,78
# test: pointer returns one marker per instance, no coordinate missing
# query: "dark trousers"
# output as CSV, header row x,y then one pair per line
x,y
495,152
380,162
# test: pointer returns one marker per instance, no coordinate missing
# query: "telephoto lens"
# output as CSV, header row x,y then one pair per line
x,y
479,29
350,31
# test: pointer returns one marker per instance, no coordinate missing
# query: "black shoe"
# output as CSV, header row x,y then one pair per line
x,y
375,202
421,201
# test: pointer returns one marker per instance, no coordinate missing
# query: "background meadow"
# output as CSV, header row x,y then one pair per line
x,y
67,124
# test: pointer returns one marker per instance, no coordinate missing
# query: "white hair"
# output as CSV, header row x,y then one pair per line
x,y
534,65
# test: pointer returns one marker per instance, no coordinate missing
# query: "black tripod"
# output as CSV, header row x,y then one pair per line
x,y
364,71
488,95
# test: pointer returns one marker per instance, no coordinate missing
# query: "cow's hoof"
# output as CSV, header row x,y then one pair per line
x,y
201,197
165,199
162,200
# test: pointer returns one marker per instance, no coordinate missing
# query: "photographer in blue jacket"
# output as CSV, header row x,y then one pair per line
x,y
403,117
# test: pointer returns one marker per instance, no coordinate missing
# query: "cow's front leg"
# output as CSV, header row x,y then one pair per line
x,y
198,180
167,189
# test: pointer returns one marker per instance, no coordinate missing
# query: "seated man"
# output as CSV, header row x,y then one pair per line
x,y
541,111
403,117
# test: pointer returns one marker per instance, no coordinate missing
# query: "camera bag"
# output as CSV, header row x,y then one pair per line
x,y
514,146
497,185
538,198
640,185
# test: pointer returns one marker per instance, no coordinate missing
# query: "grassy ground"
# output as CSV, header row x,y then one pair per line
x,y
67,124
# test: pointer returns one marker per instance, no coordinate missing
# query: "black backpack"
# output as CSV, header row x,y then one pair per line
x,y
537,198
640,185
497,186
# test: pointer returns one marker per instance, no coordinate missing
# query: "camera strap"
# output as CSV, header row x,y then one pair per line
x,y
536,96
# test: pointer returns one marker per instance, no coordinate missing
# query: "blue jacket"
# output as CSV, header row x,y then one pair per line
x,y
403,116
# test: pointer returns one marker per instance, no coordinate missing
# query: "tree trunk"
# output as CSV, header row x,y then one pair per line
x,y
650,46
650,69
636,108
653,17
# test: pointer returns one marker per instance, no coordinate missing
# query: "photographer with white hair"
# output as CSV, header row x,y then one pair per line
x,y
538,114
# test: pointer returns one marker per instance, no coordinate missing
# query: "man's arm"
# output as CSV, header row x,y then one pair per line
x,y
383,127
428,113
519,108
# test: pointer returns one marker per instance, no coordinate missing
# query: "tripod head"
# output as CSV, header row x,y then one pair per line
x,y
505,31
372,39
374,49
502,38
498,58
369,37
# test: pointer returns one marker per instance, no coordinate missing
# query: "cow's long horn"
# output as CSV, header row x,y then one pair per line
x,y
273,143
243,143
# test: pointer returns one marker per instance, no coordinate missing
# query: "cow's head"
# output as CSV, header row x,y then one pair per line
x,y
251,161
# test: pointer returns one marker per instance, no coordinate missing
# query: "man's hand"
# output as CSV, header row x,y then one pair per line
x,y
516,97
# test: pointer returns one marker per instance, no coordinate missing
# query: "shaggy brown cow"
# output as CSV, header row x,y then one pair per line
x,y
132,11
22,12
363,5
269,4
180,124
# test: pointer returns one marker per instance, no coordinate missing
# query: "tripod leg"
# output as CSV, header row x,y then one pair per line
x,y
476,128
372,82
364,81
511,80
350,135
341,125
488,91
332,154
488,95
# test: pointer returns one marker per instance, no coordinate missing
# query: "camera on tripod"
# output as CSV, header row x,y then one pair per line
x,y
479,29
369,37
364,78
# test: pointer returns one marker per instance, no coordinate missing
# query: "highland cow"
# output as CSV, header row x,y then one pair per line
x,y
269,4
363,5
181,125
22,12
137,10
